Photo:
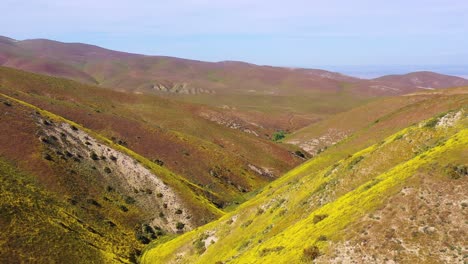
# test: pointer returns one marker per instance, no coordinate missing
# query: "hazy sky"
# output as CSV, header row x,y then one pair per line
x,y
287,33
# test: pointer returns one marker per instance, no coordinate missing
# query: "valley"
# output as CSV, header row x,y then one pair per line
x,y
112,157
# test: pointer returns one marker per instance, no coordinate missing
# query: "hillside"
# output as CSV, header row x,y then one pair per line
x,y
93,175
222,161
273,98
397,196
375,118
424,80
70,193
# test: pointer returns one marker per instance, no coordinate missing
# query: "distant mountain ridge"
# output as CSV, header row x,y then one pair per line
x,y
424,79
145,74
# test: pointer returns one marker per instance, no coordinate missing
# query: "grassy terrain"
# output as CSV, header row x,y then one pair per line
x,y
252,92
49,215
377,118
213,157
301,215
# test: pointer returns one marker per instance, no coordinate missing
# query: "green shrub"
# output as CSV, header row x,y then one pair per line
x,y
431,123
278,135
354,162
199,246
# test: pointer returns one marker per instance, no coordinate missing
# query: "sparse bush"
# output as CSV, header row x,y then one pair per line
x,y
457,171
113,158
129,200
299,154
282,212
107,170
159,162
319,217
267,251
178,211
431,123
310,253
244,245
199,246
247,223
94,156
159,195
372,183
322,238
123,208
278,135
93,202
110,223
180,225
7,103
45,140
74,128
148,231
354,162
143,239
48,157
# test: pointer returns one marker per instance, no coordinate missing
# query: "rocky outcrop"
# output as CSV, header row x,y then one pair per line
x,y
120,172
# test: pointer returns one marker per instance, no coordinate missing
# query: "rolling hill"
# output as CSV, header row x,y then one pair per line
x,y
224,161
368,120
112,157
70,193
396,196
274,98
